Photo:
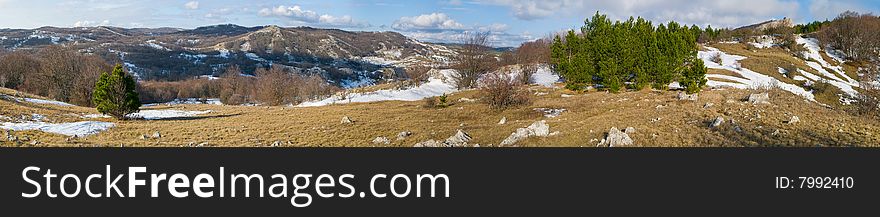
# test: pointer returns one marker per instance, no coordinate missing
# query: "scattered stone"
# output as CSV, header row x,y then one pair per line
x,y
381,140
466,100
403,135
775,133
794,119
202,144
346,120
708,105
460,139
717,122
71,138
656,120
685,96
461,125
429,144
277,144
157,135
566,96
616,138
35,142
759,98
629,130
550,113
502,121
144,137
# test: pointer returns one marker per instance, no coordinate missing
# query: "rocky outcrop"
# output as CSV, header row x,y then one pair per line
x,y
460,139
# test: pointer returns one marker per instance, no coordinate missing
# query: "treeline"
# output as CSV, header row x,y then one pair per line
x,y
810,27
634,52
56,72
855,34
273,86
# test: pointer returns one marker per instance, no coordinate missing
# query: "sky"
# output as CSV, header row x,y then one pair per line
x,y
510,22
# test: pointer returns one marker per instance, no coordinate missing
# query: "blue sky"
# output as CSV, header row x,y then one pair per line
x,y
510,21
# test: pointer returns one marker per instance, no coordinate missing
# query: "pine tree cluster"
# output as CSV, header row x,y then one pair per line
x,y
632,54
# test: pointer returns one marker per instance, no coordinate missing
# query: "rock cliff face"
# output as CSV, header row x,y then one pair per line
x,y
786,22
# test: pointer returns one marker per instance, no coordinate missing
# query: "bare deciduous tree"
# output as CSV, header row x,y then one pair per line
x,y
473,59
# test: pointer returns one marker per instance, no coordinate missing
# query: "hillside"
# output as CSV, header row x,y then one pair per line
x,y
173,54
658,118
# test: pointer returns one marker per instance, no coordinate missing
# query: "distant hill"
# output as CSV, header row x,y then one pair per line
x,y
174,54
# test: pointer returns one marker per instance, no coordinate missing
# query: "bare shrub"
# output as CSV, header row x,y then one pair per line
x,y
501,90
868,101
716,58
526,72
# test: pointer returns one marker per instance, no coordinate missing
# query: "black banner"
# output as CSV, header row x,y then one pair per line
x,y
493,182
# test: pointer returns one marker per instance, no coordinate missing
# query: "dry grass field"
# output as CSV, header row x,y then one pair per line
x,y
660,119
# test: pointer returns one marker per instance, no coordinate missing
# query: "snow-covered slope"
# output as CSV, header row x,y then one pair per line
x,y
749,80
815,61
80,129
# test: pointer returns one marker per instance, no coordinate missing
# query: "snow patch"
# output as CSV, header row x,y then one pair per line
x,y
749,80
79,129
816,62
544,76
165,114
436,86
190,101
37,101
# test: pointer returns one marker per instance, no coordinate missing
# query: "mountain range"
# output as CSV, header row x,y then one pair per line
x,y
342,57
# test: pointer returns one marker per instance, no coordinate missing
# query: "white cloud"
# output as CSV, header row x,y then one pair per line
x,y
427,22
824,9
193,5
298,14
86,23
730,13
439,27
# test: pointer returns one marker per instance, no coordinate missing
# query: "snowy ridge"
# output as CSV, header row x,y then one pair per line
x,y
750,79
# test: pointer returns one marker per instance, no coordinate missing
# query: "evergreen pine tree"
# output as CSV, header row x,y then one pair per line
x,y
115,94
694,78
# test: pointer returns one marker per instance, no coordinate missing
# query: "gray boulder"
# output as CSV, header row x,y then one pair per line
x,y
616,138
